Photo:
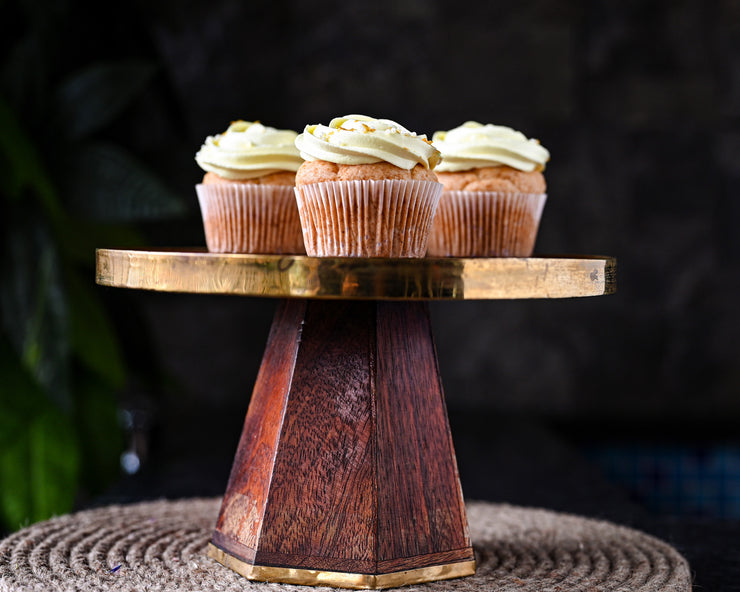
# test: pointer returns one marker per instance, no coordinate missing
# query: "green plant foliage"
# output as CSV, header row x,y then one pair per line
x,y
34,306
39,452
67,189
22,396
21,164
42,466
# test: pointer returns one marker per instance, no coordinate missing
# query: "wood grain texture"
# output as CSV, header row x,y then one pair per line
x,y
427,278
417,473
362,476
241,514
322,496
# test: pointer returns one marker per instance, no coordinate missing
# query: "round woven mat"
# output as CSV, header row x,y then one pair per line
x,y
160,546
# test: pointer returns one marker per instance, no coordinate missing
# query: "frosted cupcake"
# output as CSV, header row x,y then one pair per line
x,y
367,188
247,194
494,192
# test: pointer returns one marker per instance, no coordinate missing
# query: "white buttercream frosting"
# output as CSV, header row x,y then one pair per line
x,y
358,139
473,145
249,149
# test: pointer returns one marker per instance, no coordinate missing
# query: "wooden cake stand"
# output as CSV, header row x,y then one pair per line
x,y
345,473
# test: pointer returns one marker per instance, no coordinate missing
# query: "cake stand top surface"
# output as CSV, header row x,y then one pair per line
x,y
294,276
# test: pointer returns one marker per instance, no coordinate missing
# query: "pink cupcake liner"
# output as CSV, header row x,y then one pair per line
x,y
486,224
389,218
250,218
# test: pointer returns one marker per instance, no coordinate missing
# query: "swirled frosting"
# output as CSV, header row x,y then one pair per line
x,y
249,149
474,145
357,139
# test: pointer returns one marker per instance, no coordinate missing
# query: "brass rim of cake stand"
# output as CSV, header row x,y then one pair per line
x,y
357,581
295,276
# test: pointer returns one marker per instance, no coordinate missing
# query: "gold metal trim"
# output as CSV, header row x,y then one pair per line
x,y
286,276
313,577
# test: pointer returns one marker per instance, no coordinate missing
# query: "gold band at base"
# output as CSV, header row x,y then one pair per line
x,y
356,581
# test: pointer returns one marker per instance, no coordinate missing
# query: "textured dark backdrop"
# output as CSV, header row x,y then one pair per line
x,y
637,103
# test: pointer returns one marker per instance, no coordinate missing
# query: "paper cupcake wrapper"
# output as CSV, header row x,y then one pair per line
x,y
367,218
486,224
250,218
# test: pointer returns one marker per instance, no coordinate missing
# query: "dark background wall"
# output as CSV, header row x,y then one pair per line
x,y
638,103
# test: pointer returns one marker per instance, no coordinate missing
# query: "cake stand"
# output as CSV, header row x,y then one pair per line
x,y
345,474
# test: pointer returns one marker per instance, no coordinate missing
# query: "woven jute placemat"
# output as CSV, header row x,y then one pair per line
x,y
161,546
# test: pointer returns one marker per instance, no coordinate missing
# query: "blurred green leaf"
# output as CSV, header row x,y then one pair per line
x,y
39,470
96,96
60,364
20,395
15,494
24,165
106,184
92,337
33,307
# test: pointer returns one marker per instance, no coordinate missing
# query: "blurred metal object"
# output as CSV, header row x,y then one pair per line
x,y
293,276
136,423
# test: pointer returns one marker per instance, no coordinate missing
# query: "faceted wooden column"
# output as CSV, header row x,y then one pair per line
x,y
345,473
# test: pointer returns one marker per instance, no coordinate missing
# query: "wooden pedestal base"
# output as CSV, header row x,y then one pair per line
x,y
345,473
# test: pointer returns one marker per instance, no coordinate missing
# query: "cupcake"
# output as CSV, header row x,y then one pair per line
x,y
247,194
367,188
494,192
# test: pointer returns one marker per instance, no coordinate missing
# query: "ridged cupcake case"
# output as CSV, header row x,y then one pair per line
x,y
486,224
250,218
388,218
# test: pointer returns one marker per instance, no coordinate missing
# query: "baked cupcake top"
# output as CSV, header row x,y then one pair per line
x,y
358,139
474,145
248,149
